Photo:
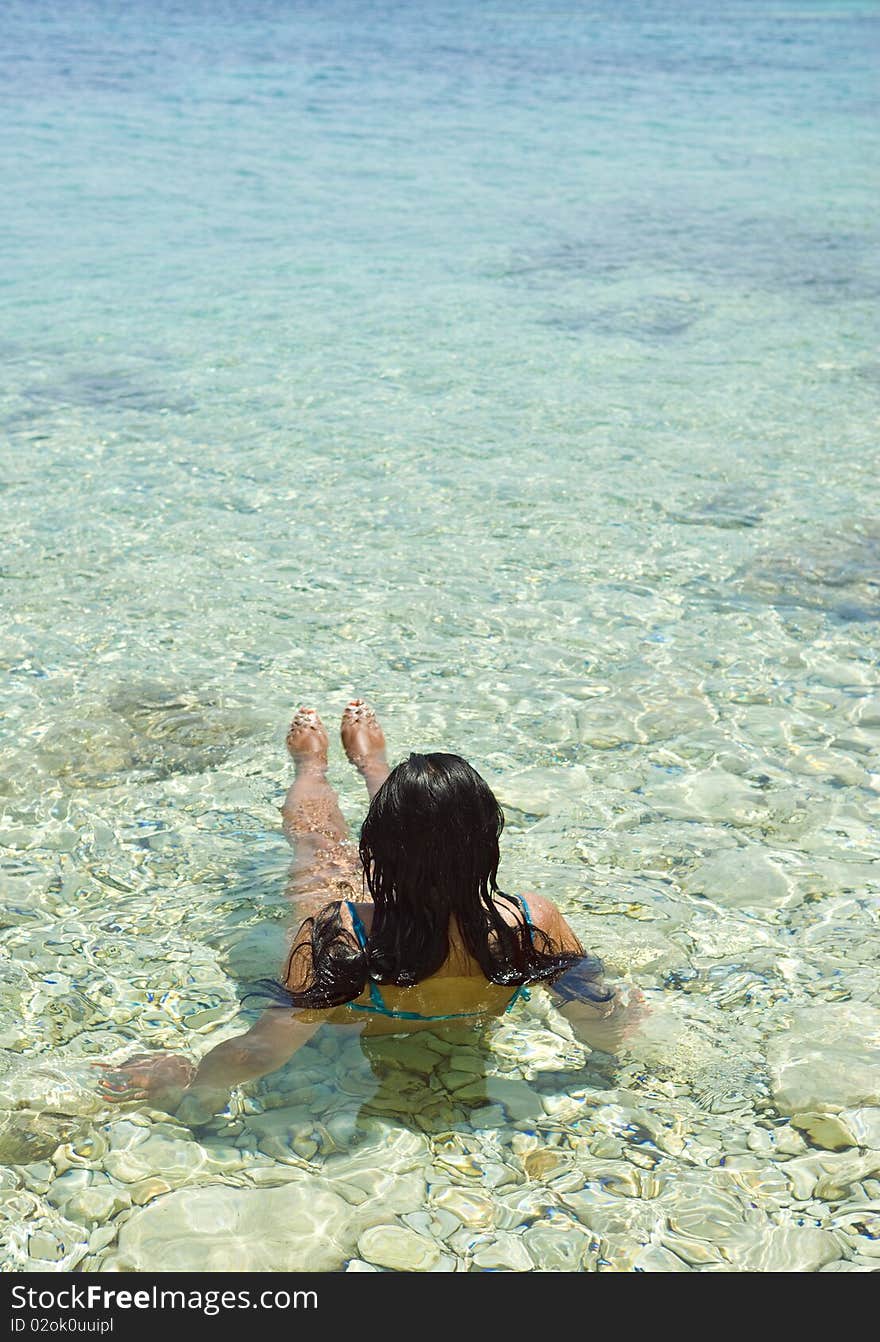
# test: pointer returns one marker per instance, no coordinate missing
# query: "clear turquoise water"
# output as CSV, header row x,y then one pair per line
x,y
516,367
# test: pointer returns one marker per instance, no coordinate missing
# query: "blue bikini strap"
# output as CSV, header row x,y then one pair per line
x,y
361,933
522,993
359,930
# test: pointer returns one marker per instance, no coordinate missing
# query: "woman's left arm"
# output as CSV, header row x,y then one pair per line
x,y
601,1016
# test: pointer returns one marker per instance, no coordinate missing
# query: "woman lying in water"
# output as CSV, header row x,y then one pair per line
x,y
436,944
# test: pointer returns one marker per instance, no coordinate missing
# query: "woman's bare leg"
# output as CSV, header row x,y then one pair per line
x,y
364,743
312,819
324,860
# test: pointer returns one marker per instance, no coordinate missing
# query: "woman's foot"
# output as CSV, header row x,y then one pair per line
x,y
312,819
307,740
364,743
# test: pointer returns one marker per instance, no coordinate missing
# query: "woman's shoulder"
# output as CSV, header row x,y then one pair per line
x,y
547,918
539,909
536,908
539,906
354,914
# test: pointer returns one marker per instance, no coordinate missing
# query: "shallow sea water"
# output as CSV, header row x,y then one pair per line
x,y
515,367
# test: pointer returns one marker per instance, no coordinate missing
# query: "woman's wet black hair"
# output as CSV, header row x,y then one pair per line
x,y
429,850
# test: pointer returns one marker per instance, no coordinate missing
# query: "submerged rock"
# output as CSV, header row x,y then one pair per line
x,y
43,1243
864,1125
541,1163
95,1206
828,1059
711,794
472,1207
518,1099
739,877
830,1175
159,1155
398,1248
503,1252
300,1227
825,1130
26,1136
789,1249
560,1246
654,1258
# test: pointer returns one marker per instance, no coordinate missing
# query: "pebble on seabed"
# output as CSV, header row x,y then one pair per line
x,y
398,1248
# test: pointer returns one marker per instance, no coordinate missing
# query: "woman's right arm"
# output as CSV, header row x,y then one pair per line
x,y
197,1092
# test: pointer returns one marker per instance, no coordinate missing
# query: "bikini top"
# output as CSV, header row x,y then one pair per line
x,y
377,1004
